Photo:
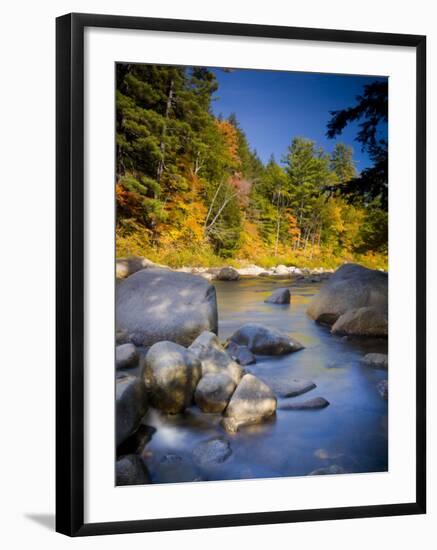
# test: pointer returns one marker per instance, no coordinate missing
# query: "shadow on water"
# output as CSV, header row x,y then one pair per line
x,y
351,432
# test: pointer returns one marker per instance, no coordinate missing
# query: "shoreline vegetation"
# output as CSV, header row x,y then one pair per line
x,y
191,191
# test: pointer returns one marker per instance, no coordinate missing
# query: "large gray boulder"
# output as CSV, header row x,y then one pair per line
x,y
171,374
263,340
158,304
213,357
252,402
131,470
130,406
364,321
213,392
126,356
350,287
228,274
279,296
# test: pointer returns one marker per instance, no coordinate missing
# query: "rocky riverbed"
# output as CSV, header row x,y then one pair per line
x,y
273,394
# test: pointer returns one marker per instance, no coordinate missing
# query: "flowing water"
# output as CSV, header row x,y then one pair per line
x,y
350,433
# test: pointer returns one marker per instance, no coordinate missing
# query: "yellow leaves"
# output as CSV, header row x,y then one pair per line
x,y
229,133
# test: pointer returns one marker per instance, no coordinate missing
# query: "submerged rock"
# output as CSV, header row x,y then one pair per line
x,y
126,356
213,392
279,296
213,357
328,470
212,452
350,287
130,406
382,387
241,354
228,274
263,340
158,304
310,404
364,321
251,402
378,360
137,441
131,470
171,374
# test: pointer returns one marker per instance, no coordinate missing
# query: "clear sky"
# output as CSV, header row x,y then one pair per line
x,y
272,107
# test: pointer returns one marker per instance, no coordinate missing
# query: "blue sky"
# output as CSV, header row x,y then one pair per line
x,y
272,107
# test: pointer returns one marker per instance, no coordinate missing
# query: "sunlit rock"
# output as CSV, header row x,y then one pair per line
x,y
171,374
350,287
213,392
251,402
158,304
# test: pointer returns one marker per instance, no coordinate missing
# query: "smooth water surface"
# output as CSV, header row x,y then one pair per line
x,y
350,433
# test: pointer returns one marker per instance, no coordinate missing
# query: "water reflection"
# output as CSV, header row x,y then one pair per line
x,y
351,432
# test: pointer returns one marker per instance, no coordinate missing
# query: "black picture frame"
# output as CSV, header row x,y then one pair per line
x,y
70,273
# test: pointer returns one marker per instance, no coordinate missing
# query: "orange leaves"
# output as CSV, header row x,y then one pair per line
x,y
230,135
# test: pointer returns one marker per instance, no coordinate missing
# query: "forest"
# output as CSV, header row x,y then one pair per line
x,y
191,191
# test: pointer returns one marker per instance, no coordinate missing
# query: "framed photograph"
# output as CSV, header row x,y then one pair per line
x,y
240,274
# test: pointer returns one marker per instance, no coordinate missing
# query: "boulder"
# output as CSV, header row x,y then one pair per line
x,y
279,296
131,470
252,270
130,406
213,358
241,354
228,274
281,270
212,452
137,441
309,404
126,356
128,266
378,360
350,287
171,374
121,337
251,402
157,304
213,392
288,387
263,340
382,387
364,321
328,470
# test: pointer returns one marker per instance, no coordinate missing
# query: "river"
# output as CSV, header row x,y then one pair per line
x,y
351,433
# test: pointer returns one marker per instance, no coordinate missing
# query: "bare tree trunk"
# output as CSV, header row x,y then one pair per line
x,y
161,164
278,226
